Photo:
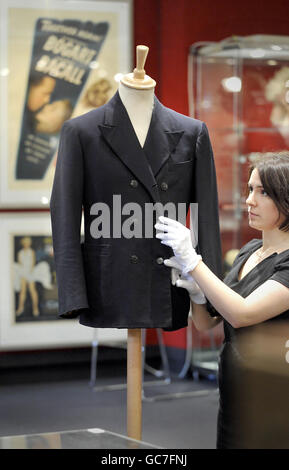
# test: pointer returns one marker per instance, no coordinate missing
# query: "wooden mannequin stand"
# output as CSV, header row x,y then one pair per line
x,y
134,384
137,80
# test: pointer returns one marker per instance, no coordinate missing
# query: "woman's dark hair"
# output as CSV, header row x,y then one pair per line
x,y
273,169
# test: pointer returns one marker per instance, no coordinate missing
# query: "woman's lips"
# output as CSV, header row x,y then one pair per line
x,y
251,214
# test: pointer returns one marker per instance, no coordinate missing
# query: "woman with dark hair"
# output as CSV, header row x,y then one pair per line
x,y
254,294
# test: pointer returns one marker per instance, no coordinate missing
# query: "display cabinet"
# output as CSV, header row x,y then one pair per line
x,y
240,88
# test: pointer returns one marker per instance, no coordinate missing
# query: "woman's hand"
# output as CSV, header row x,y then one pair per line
x,y
185,281
178,237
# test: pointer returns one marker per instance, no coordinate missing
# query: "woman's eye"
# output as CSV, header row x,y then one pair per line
x,y
264,192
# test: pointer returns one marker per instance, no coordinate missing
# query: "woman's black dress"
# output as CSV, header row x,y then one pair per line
x,y
253,380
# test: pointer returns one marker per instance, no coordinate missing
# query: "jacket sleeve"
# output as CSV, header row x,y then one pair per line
x,y
66,211
206,195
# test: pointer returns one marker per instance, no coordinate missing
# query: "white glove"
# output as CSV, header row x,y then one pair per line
x,y
178,237
185,281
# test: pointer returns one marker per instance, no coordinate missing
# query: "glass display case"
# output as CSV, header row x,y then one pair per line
x,y
240,88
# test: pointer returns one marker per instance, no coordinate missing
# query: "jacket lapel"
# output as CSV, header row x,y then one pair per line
x,y
144,162
162,138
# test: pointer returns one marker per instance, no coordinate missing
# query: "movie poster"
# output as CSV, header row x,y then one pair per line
x,y
60,63
28,290
58,60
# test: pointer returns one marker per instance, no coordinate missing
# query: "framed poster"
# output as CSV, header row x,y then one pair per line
x,y
28,290
59,59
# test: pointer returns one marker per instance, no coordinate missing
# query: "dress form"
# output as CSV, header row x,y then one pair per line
x,y
136,92
139,106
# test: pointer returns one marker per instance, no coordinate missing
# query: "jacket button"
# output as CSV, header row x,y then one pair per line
x,y
134,183
134,259
160,260
164,186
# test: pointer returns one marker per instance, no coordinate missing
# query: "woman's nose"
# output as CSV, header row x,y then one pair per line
x,y
250,201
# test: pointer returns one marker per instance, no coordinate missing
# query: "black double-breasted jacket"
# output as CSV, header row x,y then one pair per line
x,y
116,281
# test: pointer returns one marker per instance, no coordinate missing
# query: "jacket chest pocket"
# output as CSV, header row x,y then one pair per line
x,y
97,262
180,174
176,166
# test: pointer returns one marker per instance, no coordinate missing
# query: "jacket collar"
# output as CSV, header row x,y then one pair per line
x,y
162,138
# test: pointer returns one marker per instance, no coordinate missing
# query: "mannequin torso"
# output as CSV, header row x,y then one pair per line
x,y
139,106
